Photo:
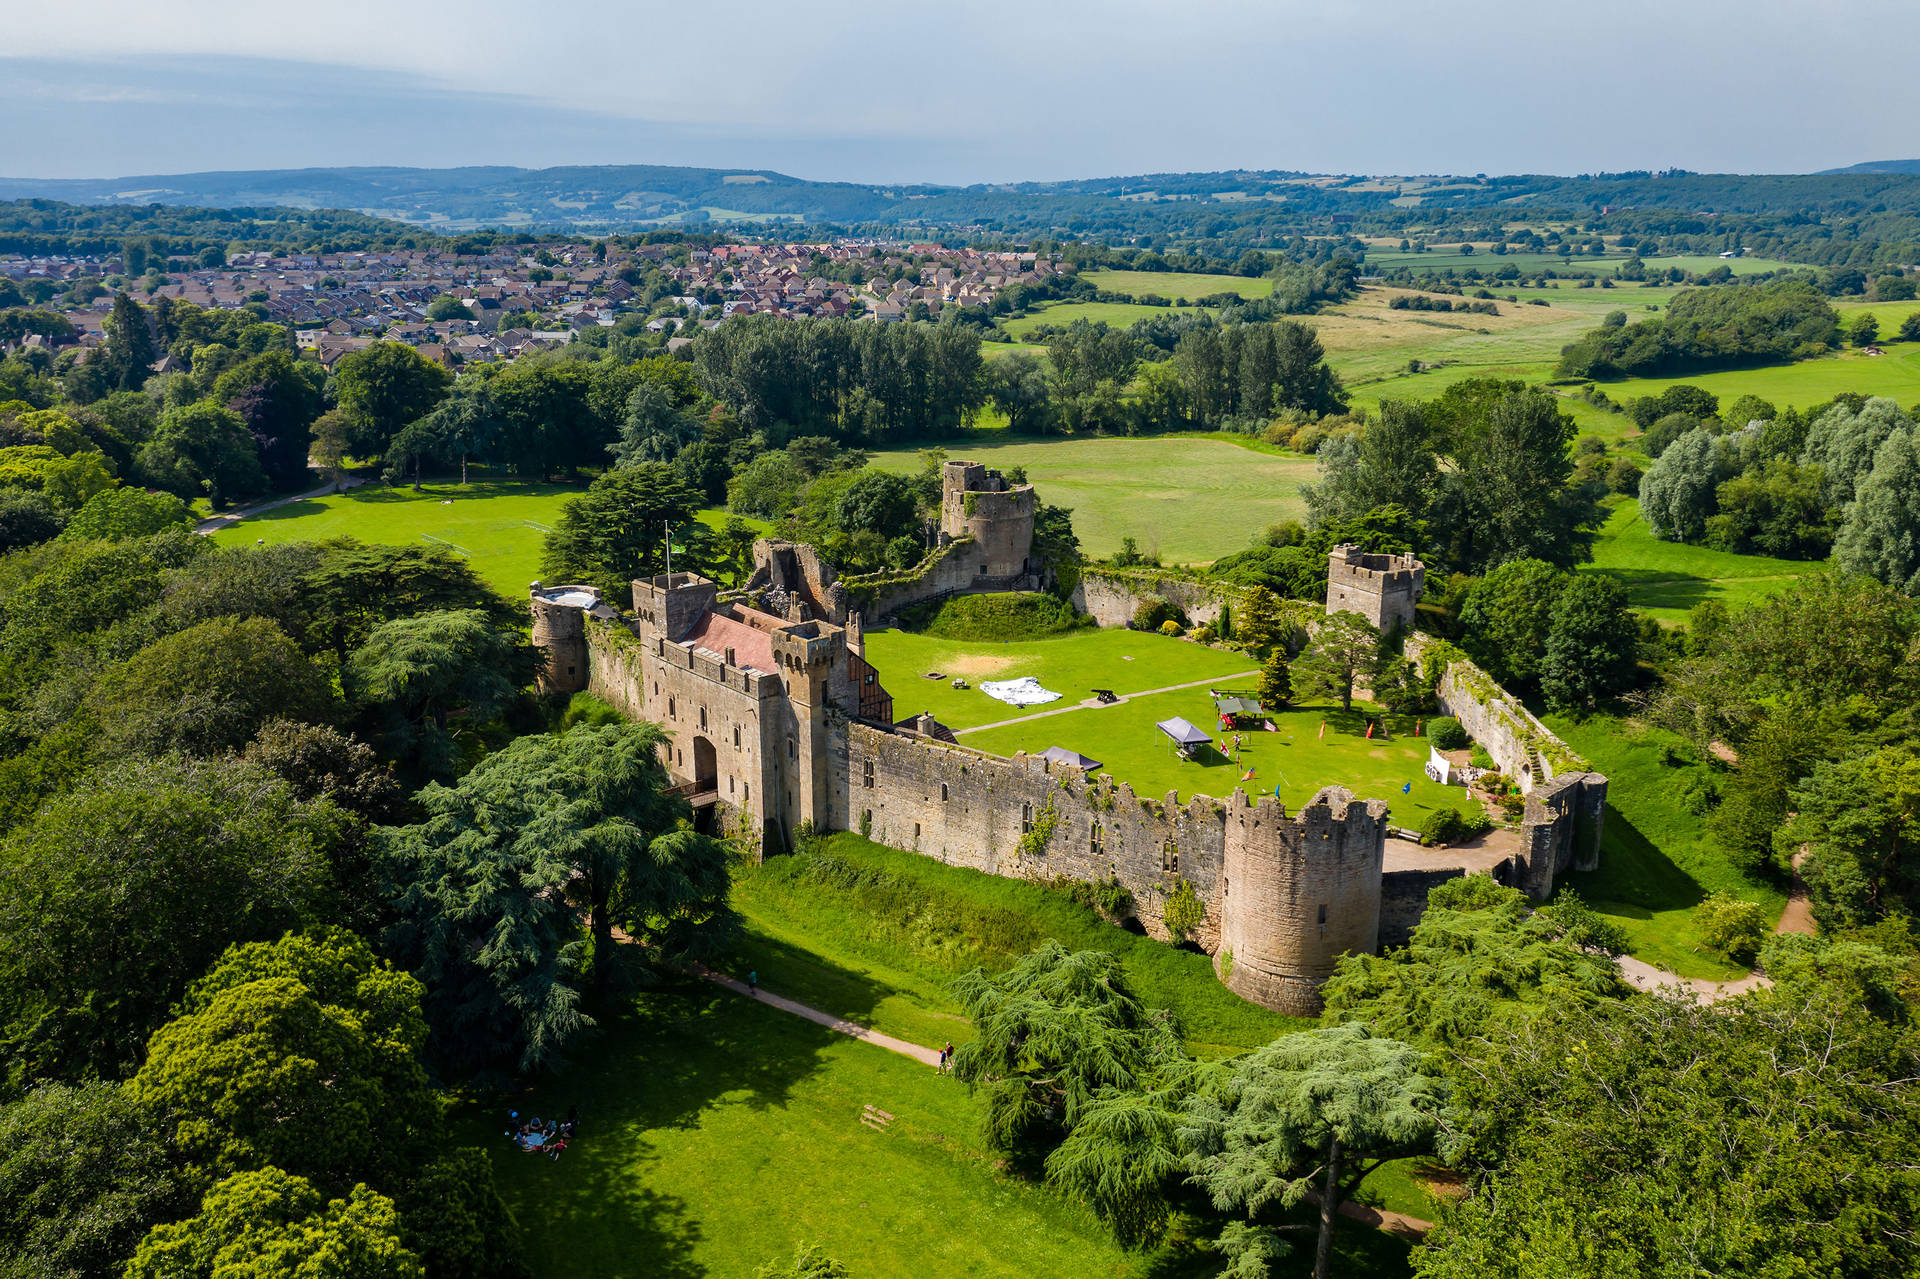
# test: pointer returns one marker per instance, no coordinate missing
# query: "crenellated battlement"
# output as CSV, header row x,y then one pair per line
x,y
1381,588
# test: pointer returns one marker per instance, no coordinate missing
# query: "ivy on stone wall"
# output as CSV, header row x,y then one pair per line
x,y
1183,912
1045,823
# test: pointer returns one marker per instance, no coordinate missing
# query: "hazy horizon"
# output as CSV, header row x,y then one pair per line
x,y
977,91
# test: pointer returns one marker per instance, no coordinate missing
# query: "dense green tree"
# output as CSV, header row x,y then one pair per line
x,y
320,762
1859,818
1017,385
1276,681
1881,533
617,531
1344,651
27,518
419,672
270,1225
1844,440
1052,1035
303,1053
83,1173
354,587
278,397
68,481
127,359
1708,328
1593,646
1678,496
127,513
580,816
1865,330
1507,616
203,450
1480,955
1310,1113
116,896
1666,1138
876,502
769,486
1393,461
382,387
448,307
809,1261
1773,509
208,689
1259,627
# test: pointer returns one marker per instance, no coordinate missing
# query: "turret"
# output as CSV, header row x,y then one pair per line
x,y
560,633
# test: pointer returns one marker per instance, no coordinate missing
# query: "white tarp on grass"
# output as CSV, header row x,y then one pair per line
x,y
1025,691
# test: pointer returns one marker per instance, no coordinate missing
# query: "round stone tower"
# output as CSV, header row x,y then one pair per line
x,y
978,503
560,633
1297,894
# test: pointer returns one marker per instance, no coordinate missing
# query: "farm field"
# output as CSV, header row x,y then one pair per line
x,y
1802,383
497,526
1072,665
1118,314
1367,341
1665,579
1175,285
1192,499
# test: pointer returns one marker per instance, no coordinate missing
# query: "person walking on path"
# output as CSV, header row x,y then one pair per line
x,y
753,983
946,1057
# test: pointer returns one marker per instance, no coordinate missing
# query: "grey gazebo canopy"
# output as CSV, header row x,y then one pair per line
x,y
1183,733
1061,755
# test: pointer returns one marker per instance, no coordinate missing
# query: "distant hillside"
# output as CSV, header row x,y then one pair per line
x,y
1879,166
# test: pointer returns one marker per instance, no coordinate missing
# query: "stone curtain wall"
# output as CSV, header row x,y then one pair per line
x,y
971,809
1403,899
1566,802
1110,598
1284,896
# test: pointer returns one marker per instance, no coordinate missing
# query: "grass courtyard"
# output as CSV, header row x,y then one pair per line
x,y
1296,758
498,526
1192,499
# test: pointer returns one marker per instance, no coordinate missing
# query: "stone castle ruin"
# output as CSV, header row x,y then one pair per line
x,y
780,726
1381,588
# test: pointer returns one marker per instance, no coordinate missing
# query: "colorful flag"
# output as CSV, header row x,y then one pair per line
x,y
1369,730
1407,789
1416,728
1323,731
1248,775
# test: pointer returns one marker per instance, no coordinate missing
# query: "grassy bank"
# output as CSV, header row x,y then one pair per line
x,y
1666,579
877,934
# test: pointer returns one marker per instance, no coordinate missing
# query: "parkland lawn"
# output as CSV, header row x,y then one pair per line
x,y
498,527
1191,499
1665,579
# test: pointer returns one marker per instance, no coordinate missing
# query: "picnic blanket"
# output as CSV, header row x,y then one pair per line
x,y
1025,691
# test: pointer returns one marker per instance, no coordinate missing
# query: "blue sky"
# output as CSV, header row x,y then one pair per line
x,y
962,91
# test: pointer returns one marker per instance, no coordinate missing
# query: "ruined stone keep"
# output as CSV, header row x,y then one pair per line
x,y
1381,588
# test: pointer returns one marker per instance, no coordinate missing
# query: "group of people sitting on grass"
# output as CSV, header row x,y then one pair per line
x,y
548,1137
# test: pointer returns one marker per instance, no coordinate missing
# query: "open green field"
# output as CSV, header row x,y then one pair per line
x,y
1665,579
1072,665
1448,256
1117,314
497,526
1177,285
1657,860
1801,383
718,1134
877,935
1191,499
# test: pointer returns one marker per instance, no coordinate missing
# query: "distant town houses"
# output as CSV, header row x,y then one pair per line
x,y
516,299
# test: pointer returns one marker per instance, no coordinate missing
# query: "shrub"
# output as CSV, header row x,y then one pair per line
x,y
1446,733
1480,759
1107,897
1169,627
1204,633
1011,615
1443,826
1183,912
1152,613
1731,926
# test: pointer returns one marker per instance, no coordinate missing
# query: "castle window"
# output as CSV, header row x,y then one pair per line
x,y
729,785
746,792
671,713
866,775
793,752
1093,838
1026,819
736,737
1176,861
703,717
1323,915
943,792
916,832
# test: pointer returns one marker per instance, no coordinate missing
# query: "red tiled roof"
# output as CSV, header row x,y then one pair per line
x,y
750,647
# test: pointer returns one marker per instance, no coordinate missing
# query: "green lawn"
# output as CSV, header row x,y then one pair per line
x,y
877,935
1296,758
1177,285
1802,383
1192,499
1657,860
1072,665
718,1134
498,526
1665,579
